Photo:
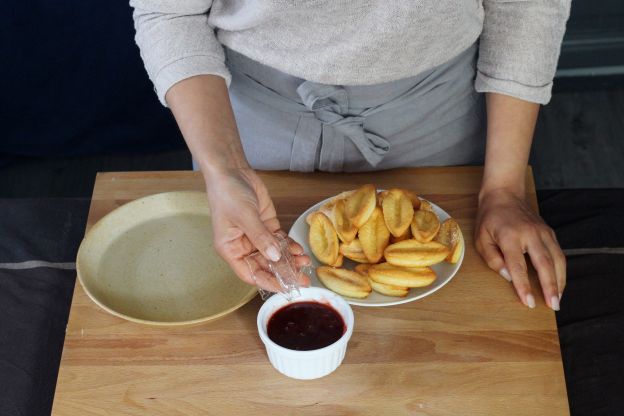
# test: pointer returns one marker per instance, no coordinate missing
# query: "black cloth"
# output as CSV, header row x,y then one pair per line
x,y
591,320
591,334
73,83
585,218
42,229
34,302
33,315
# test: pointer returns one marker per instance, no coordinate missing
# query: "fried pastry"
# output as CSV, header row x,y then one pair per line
x,y
354,251
360,204
406,277
380,197
327,207
323,238
344,228
374,236
405,236
413,198
410,195
411,253
398,211
425,205
388,290
384,289
363,268
339,261
450,235
344,282
425,225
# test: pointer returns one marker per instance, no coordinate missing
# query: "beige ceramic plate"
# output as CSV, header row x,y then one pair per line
x,y
152,261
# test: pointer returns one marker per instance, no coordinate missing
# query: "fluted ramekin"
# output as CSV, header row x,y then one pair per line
x,y
306,365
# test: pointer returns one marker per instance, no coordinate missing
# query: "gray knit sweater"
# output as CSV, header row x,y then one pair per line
x,y
355,42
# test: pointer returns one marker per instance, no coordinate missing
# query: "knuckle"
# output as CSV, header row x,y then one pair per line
x,y
479,235
531,231
257,241
505,234
544,234
221,248
547,232
478,245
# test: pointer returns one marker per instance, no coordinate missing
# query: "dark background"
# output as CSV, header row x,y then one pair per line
x,y
76,99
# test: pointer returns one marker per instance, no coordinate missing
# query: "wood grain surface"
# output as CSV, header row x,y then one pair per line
x,y
469,349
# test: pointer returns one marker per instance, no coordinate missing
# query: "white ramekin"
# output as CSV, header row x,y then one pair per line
x,y
306,365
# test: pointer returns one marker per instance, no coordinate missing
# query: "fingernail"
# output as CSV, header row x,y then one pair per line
x,y
505,273
530,300
554,303
273,253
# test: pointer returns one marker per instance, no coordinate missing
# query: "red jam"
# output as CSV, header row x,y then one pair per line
x,y
305,326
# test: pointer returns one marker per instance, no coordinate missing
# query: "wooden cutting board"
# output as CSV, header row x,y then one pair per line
x,y
469,349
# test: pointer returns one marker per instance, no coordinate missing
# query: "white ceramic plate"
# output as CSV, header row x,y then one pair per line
x,y
444,271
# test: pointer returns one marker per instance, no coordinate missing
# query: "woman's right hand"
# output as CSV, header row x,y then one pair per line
x,y
244,220
243,216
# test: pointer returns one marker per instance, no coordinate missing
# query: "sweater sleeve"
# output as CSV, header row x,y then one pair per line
x,y
519,47
176,41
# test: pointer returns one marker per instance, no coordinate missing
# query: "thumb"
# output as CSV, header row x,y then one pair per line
x,y
259,236
493,257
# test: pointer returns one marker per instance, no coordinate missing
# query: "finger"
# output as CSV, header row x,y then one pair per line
x,y
256,261
254,270
260,270
515,263
260,275
560,262
235,249
294,247
302,260
259,235
265,280
492,256
543,263
273,225
303,280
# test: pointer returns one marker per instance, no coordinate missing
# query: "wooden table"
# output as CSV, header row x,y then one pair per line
x,y
469,349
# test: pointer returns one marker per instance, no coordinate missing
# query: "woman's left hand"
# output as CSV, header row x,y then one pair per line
x,y
506,229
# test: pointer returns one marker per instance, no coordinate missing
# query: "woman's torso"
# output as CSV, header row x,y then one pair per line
x,y
346,42
285,122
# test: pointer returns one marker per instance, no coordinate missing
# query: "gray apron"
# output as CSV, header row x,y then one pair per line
x,y
433,119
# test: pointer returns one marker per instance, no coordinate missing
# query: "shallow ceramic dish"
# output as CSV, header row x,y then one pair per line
x,y
152,261
444,271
